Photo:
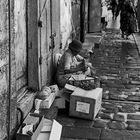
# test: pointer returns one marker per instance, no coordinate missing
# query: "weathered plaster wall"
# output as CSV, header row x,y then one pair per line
x,y
17,62
3,67
65,20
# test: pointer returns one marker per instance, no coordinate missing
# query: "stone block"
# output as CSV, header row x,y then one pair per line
x,y
128,108
105,116
133,98
117,97
117,125
133,124
100,123
110,107
81,133
109,110
134,116
121,117
109,134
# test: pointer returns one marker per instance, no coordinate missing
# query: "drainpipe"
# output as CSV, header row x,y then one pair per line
x,y
9,90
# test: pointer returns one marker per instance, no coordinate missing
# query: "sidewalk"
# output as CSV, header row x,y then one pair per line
x,y
119,60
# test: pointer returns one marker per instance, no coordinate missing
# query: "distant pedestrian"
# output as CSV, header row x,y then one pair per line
x,y
137,13
104,15
113,5
128,21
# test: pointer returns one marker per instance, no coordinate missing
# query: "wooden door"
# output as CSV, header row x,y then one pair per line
x,y
76,19
20,42
84,19
49,38
94,15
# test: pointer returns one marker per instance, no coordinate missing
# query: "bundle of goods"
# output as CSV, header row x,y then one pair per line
x,y
45,97
44,93
84,82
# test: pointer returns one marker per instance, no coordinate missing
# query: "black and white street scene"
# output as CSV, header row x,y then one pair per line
x,y
70,70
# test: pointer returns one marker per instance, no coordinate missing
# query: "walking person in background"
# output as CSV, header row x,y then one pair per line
x,y
104,15
113,5
128,21
137,5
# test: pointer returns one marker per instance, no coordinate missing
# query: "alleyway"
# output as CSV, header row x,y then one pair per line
x,y
118,62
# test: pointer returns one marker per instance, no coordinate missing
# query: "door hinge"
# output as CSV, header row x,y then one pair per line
x,y
40,60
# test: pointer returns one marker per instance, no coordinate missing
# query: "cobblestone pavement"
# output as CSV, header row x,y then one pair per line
x,y
117,61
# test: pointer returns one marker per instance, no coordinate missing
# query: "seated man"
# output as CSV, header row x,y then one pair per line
x,y
70,63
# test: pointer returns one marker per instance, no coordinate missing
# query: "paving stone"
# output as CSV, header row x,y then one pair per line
x,y
109,108
83,123
71,139
134,116
118,97
117,125
81,133
108,134
120,117
133,124
115,110
100,123
128,108
66,121
133,98
105,116
108,105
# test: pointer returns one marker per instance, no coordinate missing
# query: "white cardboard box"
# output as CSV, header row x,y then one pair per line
x,y
42,104
28,120
51,130
85,103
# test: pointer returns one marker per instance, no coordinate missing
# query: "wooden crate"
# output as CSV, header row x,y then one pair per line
x,y
29,120
85,103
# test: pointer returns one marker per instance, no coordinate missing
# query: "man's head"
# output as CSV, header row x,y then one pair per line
x,y
75,46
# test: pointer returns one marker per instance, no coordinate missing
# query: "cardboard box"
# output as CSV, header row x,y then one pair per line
x,y
85,103
38,119
51,130
42,104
